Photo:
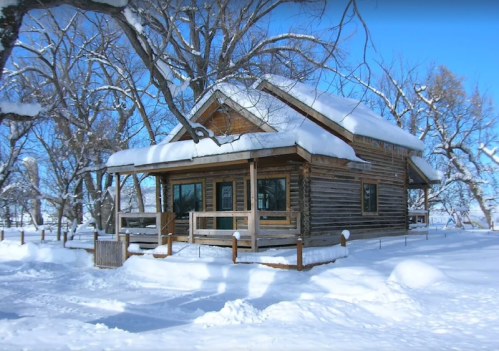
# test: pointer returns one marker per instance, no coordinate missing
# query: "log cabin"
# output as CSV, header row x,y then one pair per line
x,y
295,161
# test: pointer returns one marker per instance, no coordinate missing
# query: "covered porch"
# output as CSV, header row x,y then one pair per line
x,y
421,176
229,200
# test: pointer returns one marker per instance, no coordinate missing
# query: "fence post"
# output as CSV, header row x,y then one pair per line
x,y
22,237
299,254
345,235
127,244
2,235
43,235
96,237
234,249
170,243
64,238
192,222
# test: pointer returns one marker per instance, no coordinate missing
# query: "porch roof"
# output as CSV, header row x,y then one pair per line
x,y
229,159
421,173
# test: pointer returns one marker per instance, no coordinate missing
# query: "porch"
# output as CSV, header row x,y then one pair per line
x,y
149,230
207,206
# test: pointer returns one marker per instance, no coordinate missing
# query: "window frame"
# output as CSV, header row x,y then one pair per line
x,y
187,182
371,182
286,176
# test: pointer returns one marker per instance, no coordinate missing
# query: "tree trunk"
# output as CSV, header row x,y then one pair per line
x,y
138,191
60,214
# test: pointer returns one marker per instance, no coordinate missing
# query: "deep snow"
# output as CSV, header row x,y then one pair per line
x,y
440,293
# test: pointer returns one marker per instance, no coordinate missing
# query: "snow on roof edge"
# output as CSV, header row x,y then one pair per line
x,y
348,113
430,173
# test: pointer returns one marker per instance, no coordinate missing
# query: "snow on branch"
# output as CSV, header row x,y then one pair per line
x,y
490,153
19,112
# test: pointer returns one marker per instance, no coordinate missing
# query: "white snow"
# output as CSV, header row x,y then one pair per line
x,y
115,3
416,274
5,3
22,109
417,211
12,250
237,235
435,294
346,234
133,19
348,113
292,129
311,255
427,169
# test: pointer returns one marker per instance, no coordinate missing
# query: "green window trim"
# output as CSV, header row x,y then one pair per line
x,y
187,198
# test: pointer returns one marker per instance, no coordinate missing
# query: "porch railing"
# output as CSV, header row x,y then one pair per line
x,y
261,231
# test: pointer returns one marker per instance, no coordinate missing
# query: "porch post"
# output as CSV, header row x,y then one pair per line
x,y
117,205
426,207
254,219
158,192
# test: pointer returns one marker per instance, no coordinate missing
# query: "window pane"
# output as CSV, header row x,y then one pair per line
x,y
281,195
370,197
176,199
199,197
187,198
271,195
374,197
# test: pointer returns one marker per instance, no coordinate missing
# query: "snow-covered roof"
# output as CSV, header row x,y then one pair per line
x,y
348,113
427,169
292,129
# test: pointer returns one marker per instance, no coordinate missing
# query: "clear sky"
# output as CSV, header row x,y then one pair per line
x,y
463,35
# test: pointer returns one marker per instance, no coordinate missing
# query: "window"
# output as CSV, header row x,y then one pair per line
x,y
187,198
369,197
271,196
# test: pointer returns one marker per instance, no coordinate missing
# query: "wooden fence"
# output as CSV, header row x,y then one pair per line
x,y
109,254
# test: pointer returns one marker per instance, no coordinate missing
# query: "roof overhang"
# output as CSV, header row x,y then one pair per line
x,y
236,158
417,178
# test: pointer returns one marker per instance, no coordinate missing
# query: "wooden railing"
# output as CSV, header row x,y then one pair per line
x,y
274,232
194,230
147,223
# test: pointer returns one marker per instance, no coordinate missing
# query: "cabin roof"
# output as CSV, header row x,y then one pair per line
x,y
291,129
349,114
426,169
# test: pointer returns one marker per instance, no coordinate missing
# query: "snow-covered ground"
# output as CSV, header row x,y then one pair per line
x,y
440,293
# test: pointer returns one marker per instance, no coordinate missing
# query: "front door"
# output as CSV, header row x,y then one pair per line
x,y
225,202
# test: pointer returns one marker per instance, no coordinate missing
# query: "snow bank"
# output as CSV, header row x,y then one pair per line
x,y
43,253
233,312
80,244
416,274
311,255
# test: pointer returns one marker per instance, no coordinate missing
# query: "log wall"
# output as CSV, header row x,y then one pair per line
x,y
336,194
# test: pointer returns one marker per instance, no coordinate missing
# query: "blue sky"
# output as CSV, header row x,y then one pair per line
x,y
460,34
463,35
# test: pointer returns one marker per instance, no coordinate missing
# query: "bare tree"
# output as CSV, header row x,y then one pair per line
x,y
451,121
187,44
